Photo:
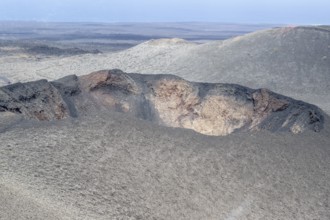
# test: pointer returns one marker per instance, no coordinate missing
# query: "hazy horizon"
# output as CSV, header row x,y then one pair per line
x,y
235,11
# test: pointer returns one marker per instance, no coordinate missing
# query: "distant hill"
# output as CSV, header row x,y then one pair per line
x,y
289,59
293,59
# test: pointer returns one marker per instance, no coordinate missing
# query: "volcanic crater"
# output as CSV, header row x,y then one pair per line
x,y
208,108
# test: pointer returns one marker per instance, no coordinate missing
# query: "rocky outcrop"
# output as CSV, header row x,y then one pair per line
x,y
35,100
212,109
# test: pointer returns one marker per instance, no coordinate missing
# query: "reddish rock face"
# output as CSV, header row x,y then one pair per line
x,y
179,104
102,79
212,109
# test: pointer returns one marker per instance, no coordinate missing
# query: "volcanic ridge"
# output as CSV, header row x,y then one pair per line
x,y
208,108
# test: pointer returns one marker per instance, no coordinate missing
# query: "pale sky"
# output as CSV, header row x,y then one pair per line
x,y
237,11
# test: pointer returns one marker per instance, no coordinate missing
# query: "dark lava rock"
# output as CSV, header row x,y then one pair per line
x,y
55,51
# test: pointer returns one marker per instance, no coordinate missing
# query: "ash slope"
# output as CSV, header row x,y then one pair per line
x,y
212,109
113,166
286,59
282,59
